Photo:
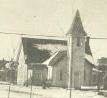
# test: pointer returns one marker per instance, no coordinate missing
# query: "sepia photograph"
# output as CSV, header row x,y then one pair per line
x,y
53,49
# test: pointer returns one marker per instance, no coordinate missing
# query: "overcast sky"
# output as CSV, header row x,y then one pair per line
x,y
52,17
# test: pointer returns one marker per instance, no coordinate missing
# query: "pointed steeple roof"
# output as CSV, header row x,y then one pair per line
x,y
77,27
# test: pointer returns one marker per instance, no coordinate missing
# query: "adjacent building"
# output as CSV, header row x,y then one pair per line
x,y
102,65
8,72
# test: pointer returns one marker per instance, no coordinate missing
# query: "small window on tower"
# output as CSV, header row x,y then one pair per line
x,y
78,42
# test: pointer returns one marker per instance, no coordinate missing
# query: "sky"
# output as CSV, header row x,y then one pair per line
x,y
51,18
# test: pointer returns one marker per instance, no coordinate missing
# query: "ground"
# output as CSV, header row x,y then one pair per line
x,y
38,92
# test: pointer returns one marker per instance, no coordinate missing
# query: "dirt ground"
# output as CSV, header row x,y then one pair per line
x,y
38,92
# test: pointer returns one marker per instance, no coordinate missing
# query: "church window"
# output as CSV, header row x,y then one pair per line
x,y
61,75
79,43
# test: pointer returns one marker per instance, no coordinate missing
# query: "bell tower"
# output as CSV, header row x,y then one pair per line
x,y
76,52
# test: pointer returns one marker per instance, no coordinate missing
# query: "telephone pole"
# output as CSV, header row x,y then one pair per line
x,y
70,64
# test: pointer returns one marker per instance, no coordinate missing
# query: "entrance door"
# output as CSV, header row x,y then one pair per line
x,y
37,78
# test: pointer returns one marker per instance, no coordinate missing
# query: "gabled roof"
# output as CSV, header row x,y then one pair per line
x,y
47,62
88,53
77,26
34,51
89,59
61,54
87,47
55,58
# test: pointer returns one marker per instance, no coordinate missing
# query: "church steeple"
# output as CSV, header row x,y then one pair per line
x,y
77,27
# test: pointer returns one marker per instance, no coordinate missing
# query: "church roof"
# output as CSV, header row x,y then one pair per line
x,y
36,50
87,47
89,58
57,54
88,53
55,58
77,26
47,62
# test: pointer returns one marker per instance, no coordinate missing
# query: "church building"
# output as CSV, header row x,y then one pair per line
x,y
69,58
